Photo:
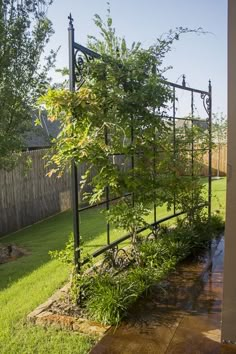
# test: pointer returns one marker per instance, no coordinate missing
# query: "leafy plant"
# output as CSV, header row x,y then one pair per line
x,y
162,251
128,217
209,228
67,254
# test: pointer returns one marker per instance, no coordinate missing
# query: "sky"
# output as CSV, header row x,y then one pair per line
x,y
199,57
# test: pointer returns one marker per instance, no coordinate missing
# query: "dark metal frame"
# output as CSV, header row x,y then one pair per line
x,y
78,57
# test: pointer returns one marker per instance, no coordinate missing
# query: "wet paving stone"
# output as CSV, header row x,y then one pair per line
x,y
182,315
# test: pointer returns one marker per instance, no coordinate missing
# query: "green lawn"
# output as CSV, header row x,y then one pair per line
x,y
219,196
30,280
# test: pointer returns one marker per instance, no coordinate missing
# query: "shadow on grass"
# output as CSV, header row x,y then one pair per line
x,y
50,234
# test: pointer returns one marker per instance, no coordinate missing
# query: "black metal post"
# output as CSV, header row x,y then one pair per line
x,y
154,180
174,140
192,150
154,175
107,191
210,149
74,174
132,155
192,142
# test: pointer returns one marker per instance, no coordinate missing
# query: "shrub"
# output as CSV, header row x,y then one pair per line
x,y
169,249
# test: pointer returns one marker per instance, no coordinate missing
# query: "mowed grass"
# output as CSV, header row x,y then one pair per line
x,y
219,196
30,280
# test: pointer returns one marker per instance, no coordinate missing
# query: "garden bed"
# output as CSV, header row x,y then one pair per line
x,y
61,313
105,295
11,252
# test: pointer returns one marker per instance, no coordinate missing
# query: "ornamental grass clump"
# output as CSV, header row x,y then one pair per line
x,y
110,297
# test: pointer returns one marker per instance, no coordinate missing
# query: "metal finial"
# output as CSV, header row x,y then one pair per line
x,y
70,18
183,81
209,86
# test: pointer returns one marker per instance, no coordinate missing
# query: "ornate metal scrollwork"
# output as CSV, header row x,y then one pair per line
x,y
81,59
206,102
82,56
115,258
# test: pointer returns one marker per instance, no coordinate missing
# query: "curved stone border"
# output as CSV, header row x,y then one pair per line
x,y
43,316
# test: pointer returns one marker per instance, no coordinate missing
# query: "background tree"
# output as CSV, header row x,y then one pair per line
x,y
24,32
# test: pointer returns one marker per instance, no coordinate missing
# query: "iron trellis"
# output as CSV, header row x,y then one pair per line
x,y
78,57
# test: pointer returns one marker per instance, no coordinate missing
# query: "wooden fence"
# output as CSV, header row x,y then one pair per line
x,y
29,196
26,198
219,161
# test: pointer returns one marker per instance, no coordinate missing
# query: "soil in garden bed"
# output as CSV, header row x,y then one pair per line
x,y
66,307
